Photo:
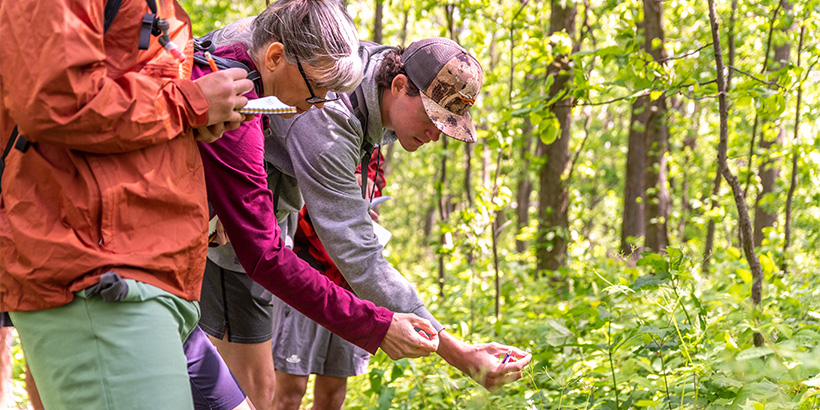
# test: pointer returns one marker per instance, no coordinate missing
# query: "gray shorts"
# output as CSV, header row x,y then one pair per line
x,y
302,347
232,303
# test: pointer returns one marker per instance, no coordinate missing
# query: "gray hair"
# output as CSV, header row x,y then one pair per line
x,y
236,32
319,32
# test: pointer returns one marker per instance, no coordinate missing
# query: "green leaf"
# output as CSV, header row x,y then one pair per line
x,y
386,398
650,280
754,353
652,330
656,261
604,314
535,118
558,333
549,130
745,274
647,403
743,101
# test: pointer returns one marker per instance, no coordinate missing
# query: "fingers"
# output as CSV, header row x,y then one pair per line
x,y
429,336
521,359
223,90
511,362
209,134
510,355
403,340
230,126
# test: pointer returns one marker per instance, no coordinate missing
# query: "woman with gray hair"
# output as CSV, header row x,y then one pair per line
x,y
301,49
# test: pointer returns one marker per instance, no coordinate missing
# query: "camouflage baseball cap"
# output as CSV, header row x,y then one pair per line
x,y
449,79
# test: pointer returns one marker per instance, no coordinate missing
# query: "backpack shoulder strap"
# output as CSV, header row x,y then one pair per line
x,y
112,7
356,104
368,149
9,144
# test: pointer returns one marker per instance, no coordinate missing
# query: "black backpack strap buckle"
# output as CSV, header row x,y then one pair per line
x,y
22,144
148,28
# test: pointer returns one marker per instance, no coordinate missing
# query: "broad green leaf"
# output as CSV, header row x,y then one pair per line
x,y
650,280
549,130
604,314
745,275
754,353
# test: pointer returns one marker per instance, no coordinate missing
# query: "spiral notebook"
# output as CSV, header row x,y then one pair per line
x,y
267,105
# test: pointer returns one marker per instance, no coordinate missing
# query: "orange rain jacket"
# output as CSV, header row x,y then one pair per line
x,y
113,180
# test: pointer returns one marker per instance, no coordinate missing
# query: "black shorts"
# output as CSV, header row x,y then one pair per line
x,y
232,303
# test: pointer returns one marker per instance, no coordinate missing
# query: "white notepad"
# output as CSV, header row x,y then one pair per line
x,y
267,105
382,234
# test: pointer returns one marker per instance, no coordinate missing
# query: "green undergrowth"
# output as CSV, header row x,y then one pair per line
x,y
608,336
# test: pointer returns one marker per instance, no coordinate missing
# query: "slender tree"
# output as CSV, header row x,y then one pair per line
x,y
787,226
524,189
769,170
656,142
378,16
714,198
553,194
689,144
737,190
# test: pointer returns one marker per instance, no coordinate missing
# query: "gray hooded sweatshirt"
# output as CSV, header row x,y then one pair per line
x,y
321,149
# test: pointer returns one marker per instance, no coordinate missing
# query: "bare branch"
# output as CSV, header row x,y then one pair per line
x,y
684,55
774,83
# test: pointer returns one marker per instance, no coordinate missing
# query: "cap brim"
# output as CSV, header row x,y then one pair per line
x,y
456,126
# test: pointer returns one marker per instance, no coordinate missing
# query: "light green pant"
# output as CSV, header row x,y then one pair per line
x,y
90,354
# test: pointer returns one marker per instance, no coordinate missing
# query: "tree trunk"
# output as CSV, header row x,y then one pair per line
x,y
710,230
524,190
787,226
443,212
713,199
404,27
757,120
737,190
769,171
656,193
377,22
689,144
632,228
553,196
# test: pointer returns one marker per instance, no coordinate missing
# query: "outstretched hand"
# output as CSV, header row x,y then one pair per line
x,y
409,336
483,362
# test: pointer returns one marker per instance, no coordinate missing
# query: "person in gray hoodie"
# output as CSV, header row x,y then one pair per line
x,y
410,96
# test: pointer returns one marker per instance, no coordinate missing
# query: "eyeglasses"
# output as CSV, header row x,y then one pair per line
x,y
313,99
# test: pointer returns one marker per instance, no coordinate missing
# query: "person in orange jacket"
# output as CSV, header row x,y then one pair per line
x,y
105,184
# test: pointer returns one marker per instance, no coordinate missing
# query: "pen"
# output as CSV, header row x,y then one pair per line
x,y
506,356
423,333
211,61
